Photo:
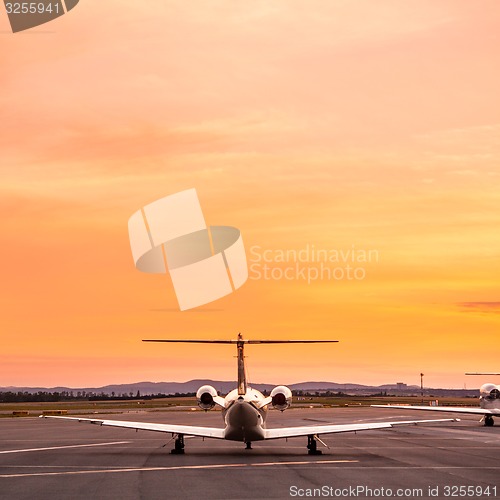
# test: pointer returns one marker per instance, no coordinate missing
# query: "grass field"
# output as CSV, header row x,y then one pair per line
x,y
189,404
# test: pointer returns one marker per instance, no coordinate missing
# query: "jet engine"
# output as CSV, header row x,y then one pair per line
x,y
205,397
281,397
489,392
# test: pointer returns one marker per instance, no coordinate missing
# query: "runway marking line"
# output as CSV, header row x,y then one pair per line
x,y
177,467
64,447
248,466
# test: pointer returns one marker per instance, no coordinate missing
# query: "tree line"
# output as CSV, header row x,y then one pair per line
x,y
46,397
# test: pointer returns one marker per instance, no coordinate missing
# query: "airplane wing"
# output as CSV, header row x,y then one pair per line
x,y
186,430
317,430
450,409
217,433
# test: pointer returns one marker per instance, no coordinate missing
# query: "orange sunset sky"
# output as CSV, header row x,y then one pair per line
x,y
338,124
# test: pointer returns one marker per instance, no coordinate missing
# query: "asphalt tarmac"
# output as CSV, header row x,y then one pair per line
x,y
53,459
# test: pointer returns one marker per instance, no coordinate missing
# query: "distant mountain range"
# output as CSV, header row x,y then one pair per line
x,y
148,388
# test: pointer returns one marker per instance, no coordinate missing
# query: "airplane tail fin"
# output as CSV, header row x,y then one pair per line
x,y
240,343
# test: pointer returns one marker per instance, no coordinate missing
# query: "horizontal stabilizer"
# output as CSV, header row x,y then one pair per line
x,y
242,341
240,344
482,373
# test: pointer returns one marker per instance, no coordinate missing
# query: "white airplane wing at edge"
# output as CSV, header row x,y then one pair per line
x,y
187,430
317,430
449,409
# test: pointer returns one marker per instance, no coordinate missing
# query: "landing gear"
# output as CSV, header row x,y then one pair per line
x,y
488,421
312,445
178,445
248,445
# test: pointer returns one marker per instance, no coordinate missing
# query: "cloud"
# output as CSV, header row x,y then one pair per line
x,y
483,307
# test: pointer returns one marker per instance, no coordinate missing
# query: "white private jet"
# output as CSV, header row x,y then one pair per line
x,y
244,410
489,403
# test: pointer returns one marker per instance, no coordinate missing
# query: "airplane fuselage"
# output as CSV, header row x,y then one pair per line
x,y
244,416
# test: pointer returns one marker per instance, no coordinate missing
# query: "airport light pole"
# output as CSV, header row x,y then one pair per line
x,y
422,386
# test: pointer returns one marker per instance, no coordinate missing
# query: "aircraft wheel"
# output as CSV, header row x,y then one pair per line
x,y
312,446
488,421
179,446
